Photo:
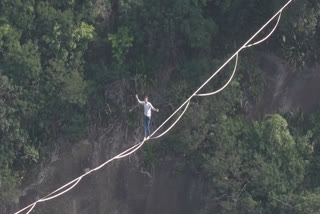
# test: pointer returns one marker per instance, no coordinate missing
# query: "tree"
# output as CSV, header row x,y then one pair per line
x,y
23,65
250,165
120,42
9,39
20,13
15,148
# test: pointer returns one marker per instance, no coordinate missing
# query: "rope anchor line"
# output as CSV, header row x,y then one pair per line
x,y
223,87
174,123
186,104
267,37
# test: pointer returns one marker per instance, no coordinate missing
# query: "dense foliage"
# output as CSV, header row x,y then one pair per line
x,y
70,66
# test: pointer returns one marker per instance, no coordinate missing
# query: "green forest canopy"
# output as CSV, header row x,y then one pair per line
x,y
62,61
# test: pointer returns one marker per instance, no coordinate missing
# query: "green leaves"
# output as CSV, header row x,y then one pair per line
x,y
20,13
120,43
277,132
24,65
246,163
8,183
308,202
199,30
31,154
13,138
73,90
84,31
9,39
54,55
301,46
12,135
43,92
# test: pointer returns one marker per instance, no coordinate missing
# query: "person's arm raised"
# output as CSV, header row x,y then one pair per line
x,y
139,101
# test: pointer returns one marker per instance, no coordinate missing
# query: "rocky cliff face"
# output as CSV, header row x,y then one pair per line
x,y
286,89
123,188
120,187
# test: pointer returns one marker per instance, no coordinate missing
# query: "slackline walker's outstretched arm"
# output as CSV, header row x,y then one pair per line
x,y
139,101
67,187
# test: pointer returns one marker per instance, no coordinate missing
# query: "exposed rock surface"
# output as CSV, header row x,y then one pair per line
x,y
286,89
121,187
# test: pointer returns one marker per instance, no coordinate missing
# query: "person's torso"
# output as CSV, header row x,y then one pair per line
x,y
147,109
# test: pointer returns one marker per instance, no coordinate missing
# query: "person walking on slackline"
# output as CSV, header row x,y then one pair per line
x,y
147,115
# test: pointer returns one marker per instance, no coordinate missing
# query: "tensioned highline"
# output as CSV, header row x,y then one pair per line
x,y
67,187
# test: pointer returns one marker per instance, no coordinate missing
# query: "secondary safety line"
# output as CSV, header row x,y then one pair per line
x,y
223,87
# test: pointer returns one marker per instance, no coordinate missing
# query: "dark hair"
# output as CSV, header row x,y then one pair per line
x,y
145,96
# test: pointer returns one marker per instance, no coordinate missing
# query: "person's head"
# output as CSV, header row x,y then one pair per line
x,y
146,98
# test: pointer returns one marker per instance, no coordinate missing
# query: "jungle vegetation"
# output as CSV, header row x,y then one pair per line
x,y
71,67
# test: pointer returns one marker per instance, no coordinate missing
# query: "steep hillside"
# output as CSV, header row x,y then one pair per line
x,y
169,186
69,73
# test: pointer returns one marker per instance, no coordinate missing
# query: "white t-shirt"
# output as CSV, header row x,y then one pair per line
x,y
147,108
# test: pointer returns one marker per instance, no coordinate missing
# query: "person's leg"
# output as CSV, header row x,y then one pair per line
x,y
145,126
148,126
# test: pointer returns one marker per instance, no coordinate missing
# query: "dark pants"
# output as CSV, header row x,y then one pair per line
x,y
146,126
